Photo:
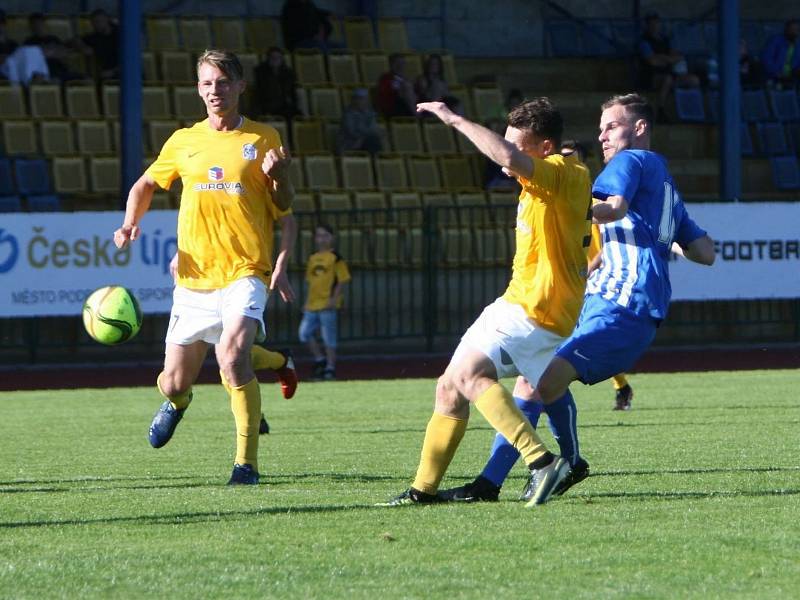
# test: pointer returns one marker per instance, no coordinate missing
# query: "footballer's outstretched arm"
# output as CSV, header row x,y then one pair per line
x,y
139,199
611,209
494,146
700,250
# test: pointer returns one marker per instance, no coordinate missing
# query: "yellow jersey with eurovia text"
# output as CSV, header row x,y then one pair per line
x,y
226,217
324,271
552,238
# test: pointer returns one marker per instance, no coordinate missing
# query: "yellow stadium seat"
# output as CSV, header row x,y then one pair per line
x,y
413,65
414,246
195,33
229,34
461,93
249,62
392,35
304,203
309,65
110,98
406,208
456,171
263,33
61,27
333,200
386,248
438,137
57,137
472,207
188,105
325,102
491,246
307,135
159,131
155,102
94,137
353,244
391,172
357,173
69,175
19,138
82,101
279,123
372,65
105,174
486,100
405,135
343,68
176,66
457,246
150,68
162,33
45,99
358,33
12,101
424,172
446,212
373,203
320,171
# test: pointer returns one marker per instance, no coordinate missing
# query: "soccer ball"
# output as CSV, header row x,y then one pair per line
x,y
111,315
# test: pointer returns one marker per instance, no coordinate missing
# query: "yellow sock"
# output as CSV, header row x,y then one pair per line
x,y
497,406
266,359
180,401
620,381
246,408
442,437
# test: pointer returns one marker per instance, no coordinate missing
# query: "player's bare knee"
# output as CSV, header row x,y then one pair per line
x,y
447,396
173,384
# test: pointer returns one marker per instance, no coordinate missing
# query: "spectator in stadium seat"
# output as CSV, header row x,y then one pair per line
x,y
781,56
54,49
430,85
102,44
327,275
513,98
276,85
396,96
751,71
359,129
7,45
306,26
236,184
661,66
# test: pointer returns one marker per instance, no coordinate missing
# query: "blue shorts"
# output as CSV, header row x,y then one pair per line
x,y
607,340
323,321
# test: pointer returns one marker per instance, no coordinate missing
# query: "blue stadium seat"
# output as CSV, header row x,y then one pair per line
x,y
688,38
7,187
564,38
689,105
754,106
746,142
713,106
784,105
785,172
597,39
32,176
10,204
772,139
46,203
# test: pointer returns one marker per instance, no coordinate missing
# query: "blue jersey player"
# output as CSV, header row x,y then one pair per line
x,y
642,220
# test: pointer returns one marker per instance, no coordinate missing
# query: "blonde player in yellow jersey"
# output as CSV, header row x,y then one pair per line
x,y
518,333
233,171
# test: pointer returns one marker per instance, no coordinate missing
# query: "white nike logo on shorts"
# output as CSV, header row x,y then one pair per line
x,y
579,355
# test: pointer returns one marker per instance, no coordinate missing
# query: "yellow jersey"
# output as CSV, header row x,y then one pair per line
x,y
323,272
226,217
596,245
552,238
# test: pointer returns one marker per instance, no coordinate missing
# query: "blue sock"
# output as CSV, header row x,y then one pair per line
x,y
563,418
504,455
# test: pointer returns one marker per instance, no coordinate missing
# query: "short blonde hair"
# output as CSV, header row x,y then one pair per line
x,y
225,61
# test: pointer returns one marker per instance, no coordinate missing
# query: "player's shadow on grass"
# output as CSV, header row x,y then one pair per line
x,y
697,470
189,518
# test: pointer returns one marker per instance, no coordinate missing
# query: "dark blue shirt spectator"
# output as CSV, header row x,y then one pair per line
x,y
781,55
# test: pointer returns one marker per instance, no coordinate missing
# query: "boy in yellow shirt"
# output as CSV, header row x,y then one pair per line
x,y
326,274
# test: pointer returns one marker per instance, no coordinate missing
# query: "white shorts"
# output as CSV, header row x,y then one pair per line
x,y
515,343
201,314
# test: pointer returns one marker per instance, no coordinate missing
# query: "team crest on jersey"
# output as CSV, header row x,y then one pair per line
x,y
249,152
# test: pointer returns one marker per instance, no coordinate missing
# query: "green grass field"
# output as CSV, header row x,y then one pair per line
x,y
694,493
